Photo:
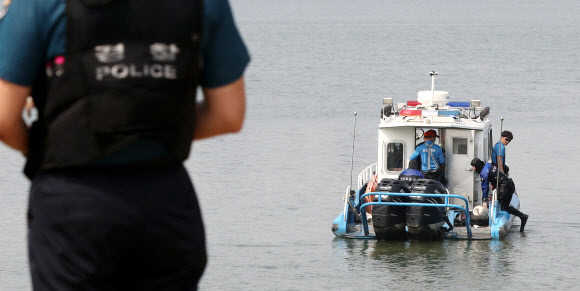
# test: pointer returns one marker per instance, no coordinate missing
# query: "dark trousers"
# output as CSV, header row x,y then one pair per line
x,y
504,198
117,229
437,175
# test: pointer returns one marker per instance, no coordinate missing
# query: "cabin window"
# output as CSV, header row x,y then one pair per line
x,y
394,156
459,146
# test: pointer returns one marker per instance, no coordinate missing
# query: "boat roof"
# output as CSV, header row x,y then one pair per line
x,y
460,115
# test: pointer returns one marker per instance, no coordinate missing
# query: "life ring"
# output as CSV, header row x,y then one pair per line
x,y
371,187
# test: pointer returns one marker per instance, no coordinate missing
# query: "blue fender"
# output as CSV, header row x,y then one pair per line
x,y
339,225
503,221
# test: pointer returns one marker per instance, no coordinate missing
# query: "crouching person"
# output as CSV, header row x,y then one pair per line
x,y
482,169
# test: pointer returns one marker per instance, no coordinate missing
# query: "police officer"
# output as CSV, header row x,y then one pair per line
x,y
506,189
498,152
114,81
432,157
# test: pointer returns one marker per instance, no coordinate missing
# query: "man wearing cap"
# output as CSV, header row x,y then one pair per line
x,y
432,157
498,152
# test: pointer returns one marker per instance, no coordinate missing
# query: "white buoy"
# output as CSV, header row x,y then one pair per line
x,y
480,212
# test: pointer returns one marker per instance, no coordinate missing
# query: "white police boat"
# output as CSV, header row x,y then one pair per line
x,y
385,208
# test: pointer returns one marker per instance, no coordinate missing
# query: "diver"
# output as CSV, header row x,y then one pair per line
x,y
505,192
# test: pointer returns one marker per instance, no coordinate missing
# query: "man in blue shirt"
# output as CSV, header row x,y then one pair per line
x,y
498,152
432,157
125,218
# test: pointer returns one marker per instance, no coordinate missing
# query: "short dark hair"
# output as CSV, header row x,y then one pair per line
x,y
478,164
507,134
413,164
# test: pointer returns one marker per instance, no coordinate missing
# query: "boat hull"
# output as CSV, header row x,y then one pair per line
x,y
347,225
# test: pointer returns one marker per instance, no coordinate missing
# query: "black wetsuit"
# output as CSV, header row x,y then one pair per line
x,y
505,191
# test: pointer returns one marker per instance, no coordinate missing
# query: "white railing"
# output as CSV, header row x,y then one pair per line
x,y
346,197
366,174
493,207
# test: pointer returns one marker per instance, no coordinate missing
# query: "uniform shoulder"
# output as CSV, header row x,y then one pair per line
x,y
27,24
42,5
216,9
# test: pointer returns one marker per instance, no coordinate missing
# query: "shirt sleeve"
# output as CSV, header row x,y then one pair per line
x,y
414,155
24,33
484,184
485,189
224,53
498,150
20,37
441,157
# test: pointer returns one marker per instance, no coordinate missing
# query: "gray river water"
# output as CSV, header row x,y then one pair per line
x,y
270,193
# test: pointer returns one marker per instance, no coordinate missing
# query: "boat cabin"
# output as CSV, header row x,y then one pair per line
x,y
383,207
464,133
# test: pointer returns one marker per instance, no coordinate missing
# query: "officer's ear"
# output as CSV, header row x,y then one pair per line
x,y
97,3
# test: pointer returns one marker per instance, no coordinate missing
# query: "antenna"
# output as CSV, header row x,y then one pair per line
x,y
500,145
352,156
497,180
433,74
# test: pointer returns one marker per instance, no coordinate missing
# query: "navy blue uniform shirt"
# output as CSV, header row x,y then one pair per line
x,y
484,182
33,32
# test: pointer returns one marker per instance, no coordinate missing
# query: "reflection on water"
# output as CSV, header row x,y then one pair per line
x,y
509,263
449,263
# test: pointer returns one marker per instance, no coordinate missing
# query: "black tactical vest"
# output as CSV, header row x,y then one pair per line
x,y
129,74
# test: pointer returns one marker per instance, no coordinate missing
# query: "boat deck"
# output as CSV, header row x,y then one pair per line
x,y
479,233
458,232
